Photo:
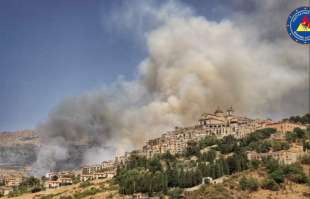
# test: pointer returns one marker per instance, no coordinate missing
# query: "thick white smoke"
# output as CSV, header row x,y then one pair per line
x,y
193,65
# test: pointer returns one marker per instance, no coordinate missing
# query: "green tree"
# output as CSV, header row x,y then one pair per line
x,y
305,159
249,184
208,141
277,175
299,132
270,184
291,137
255,164
228,144
154,165
172,176
192,149
209,156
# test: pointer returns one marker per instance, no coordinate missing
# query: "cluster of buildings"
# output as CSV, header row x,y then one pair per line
x,y
284,156
58,179
8,182
107,169
217,124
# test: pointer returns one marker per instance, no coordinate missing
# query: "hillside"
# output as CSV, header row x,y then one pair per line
x,y
18,148
18,138
97,189
263,164
275,159
230,188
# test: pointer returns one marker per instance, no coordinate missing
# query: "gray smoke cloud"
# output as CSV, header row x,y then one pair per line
x,y
193,65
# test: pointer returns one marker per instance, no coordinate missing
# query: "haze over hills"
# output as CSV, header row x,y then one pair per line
x,y
18,148
18,138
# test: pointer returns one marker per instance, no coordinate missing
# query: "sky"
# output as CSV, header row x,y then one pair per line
x,y
53,49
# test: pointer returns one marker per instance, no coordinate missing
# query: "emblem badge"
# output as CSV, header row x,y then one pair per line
x,y
298,25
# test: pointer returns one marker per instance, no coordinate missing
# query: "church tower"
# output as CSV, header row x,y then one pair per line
x,y
230,111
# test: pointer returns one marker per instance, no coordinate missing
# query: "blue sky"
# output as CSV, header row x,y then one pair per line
x,y
50,49
53,49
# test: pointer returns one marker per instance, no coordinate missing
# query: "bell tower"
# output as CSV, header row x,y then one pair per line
x,y
230,111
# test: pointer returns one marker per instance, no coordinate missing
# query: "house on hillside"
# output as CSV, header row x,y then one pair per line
x,y
285,156
5,190
12,181
52,184
285,126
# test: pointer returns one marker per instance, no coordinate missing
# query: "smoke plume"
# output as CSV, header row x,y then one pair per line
x,y
193,66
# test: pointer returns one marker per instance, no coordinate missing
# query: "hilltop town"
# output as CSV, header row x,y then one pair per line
x,y
191,145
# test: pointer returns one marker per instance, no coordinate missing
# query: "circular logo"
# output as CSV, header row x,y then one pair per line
x,y
298,25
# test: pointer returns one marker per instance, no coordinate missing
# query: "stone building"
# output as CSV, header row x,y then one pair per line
x,y
284,157
107,169
222,124
89,169
93,176
218,124
60,174
52,184
121,159
58,179
12,181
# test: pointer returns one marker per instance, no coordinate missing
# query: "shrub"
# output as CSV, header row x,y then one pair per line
x,y
88,192
277,146
295,173
305,159
175,193
254,164
250,184
270,184
300,178
271,164
76,180
36,189
277,175
85,184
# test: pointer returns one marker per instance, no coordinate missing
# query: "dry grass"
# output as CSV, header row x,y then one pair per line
x,y
106,190
230,189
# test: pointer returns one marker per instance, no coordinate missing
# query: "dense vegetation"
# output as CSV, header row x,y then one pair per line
x,y
210,157
276,175
305,119
30,184
214,158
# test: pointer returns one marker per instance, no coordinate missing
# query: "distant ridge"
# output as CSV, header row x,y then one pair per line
x,y
18,148
18,138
